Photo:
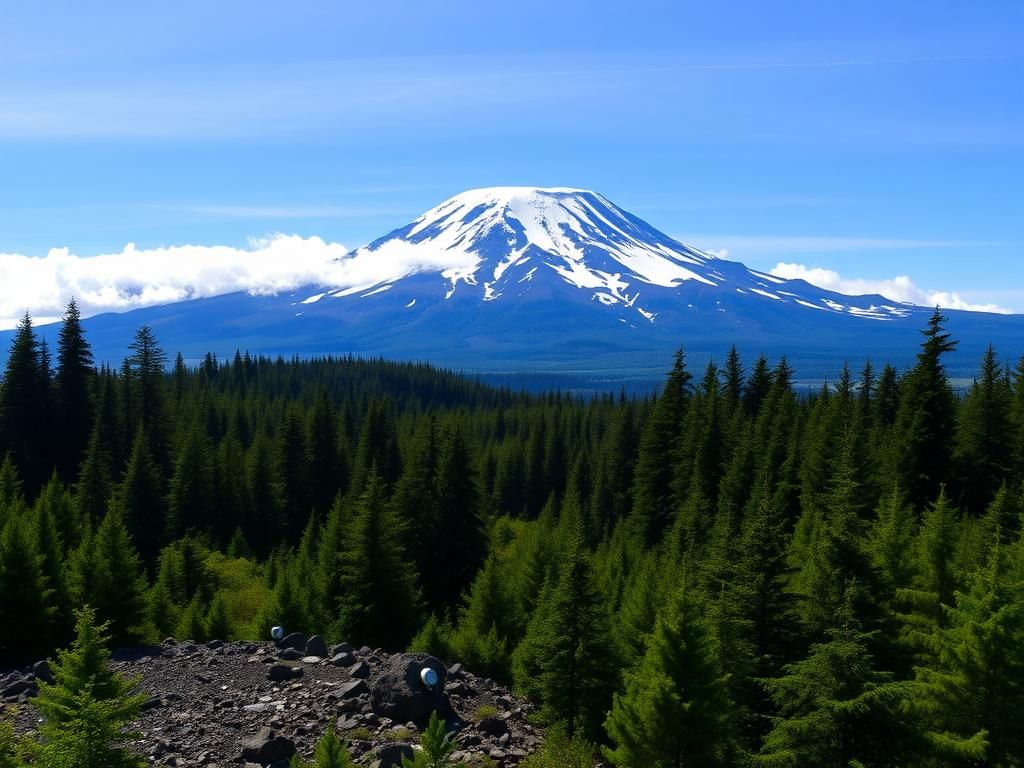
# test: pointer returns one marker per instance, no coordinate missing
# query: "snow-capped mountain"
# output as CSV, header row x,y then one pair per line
x,y
488,243
514,279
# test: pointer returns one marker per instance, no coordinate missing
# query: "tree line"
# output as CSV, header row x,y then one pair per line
x,y
728,572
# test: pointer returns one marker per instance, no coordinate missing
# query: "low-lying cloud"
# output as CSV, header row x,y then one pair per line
x,y
136,277
900,288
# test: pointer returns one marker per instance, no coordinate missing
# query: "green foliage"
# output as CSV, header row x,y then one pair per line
x,y
675,710
329,753
26,609
87,707
560,751
566,654
378,600
8,747
106,573
436,747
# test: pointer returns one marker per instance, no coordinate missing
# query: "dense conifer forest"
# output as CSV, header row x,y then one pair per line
x,y
727,573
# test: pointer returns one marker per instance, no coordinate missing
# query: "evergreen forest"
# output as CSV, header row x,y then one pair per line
x,y
730,572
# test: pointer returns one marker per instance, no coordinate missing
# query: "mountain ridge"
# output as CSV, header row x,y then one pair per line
x,y
552,281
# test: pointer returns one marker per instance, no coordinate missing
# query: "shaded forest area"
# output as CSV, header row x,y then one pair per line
x,y
725,573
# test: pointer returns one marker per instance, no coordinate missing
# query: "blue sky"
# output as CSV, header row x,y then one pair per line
x,y
872,139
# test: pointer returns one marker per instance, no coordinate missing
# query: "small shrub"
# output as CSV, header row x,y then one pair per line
x,y
485,712
362,733
559,751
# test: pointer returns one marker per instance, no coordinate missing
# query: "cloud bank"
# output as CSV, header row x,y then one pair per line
x,y
137,277
900,288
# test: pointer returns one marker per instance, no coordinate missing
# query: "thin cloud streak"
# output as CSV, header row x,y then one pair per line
x,y
900,288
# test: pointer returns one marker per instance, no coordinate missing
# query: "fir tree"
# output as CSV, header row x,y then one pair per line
x,y
142,499
378,597
923,431
74,387
652,485
568,644
87,707
675,710
26,605
329,753
436,747
972,696
106,572
984,448
837,709
24,407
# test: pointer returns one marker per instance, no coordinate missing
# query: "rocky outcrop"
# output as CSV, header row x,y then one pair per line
x,y
220,705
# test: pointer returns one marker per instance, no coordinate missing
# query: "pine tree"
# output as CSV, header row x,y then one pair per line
x,y
74,387
675,710
219,625
87,707
329,753
106,573
143,500
24,408
453,538
838,710
190,496
378,598
146,369
192,621
922,453
567,648
436,747
295,472
984,448
264,496
652,486
972,696
26,603
324,467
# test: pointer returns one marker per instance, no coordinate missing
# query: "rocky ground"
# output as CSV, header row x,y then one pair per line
x,y
253,704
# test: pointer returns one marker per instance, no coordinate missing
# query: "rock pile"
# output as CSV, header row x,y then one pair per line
x,y
256,704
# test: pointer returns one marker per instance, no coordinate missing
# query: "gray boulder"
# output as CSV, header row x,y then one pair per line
x,y
281,672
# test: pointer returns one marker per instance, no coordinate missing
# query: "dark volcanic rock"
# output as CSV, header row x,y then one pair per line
x,y
267,747
206,704
281,672
397,692
389,755
316,646
295,640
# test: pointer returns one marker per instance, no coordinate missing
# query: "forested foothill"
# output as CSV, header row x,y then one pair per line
x,y
727,573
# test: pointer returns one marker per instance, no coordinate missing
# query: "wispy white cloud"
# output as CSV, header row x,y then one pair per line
x,y
135,277
900,288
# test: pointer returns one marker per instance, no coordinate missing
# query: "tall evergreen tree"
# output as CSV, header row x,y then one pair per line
x,y
87,707
74,388
984,448
378,598
26,606
675,711
922,452
142,498
652,485
972,696
569,645
106,572
24,408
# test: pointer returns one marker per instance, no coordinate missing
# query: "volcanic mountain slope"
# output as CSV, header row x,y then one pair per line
x,y
560,280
